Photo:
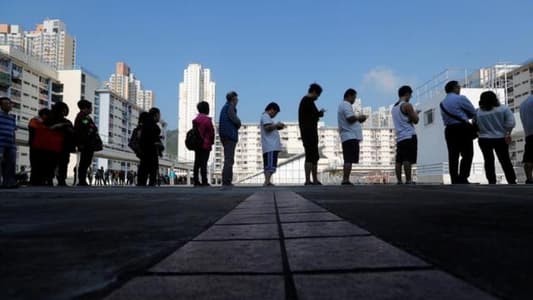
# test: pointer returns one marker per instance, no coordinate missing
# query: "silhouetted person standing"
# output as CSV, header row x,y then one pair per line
x,y
204,124
229,124
59,112
405,117
85,130
308,116
495,122
151,148
456,111
8,148
526,115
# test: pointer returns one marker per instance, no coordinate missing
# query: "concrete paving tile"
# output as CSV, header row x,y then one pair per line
x,y
346,253
320,229
301,209
307,217
254,210
224,256
430,284
253,231
202,287
247,219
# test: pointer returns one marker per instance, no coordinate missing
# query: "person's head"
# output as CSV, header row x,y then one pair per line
x,y
44,113
405,93
85,106
488,100
350,95
272,109
232,97
61,109
203,107
314,91
155,113
143,117
452,87
5,104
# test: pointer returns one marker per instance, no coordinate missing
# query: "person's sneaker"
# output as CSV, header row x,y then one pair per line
x,y
346,183
206,185
308,183
268,184
317,183
410,182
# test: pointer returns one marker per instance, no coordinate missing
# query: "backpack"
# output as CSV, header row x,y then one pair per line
x,y
193,140
135,140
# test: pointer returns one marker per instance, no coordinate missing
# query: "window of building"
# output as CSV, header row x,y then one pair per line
x,y
428,117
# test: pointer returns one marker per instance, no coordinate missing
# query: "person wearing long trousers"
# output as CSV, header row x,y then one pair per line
x,y
85,129
151,149
457,133
229,124
495,122
204,124
59,112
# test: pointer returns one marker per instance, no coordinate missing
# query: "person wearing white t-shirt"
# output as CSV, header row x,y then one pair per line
x,y
270,140
351,133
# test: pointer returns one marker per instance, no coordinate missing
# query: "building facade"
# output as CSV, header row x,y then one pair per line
x,y
124,83
197,86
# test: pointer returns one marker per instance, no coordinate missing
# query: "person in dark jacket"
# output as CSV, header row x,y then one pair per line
x,y
151,148
85,130
59,112
229,125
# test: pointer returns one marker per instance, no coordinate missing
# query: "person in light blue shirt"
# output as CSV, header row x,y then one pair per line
x,y
351,133
456,111
526,115
495,122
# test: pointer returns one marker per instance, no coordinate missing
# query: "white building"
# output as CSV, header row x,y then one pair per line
x,y
197,86
52,44
31,85
12,35
124,83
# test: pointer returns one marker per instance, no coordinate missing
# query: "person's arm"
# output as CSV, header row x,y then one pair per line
x,y
468,108
232,114
509,121
410,112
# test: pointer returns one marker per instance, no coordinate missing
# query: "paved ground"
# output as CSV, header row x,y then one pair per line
x,y
60,244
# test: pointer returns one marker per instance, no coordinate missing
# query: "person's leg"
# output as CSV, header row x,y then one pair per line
x,y
467,155
154,169
314,173
398,170
407,167
502,152
62,167
528,169
453,154
315,158
203,166
528,159
8,159
196,168
348,149
85,162
229,156
488,156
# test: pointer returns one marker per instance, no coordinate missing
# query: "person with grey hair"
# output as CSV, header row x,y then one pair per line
x,y
228,129
8,148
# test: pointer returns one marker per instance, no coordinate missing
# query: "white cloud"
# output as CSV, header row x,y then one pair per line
x,y
382,79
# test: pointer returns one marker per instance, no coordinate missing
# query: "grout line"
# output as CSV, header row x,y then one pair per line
x,y
367,270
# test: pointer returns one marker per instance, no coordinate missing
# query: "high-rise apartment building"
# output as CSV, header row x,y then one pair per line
x,y
197,86
12,35
124,83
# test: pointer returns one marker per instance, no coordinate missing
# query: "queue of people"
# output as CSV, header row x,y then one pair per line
x,y
52,138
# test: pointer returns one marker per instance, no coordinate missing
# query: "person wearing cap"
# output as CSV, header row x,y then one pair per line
x,y
8,148
85,129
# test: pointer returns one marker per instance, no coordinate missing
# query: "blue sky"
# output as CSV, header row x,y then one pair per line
x,y
272,50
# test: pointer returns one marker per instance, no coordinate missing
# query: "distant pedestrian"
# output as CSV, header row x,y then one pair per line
x,y
495,122
229,124
270,141
526,115
100,176
351,133
59,112
204,124
86,132
308,116
151,149
456,111
8,148
405,117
